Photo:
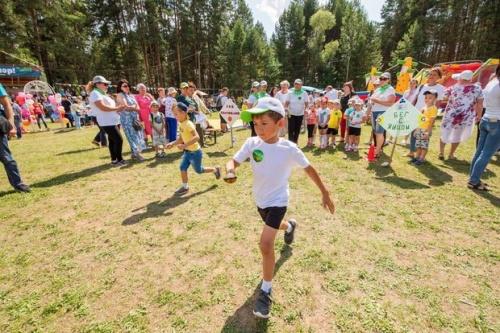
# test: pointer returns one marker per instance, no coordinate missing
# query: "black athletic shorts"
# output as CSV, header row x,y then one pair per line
x,y
354,131
272,216
332,131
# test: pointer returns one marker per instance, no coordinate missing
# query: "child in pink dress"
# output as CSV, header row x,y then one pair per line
x,y
144,100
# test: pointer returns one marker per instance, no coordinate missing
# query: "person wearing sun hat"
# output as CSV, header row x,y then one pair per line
x,y
297,104
272,159
383,97
464,108
106,112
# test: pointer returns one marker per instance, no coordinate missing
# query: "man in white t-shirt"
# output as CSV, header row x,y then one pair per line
x,y
297,103
331,94
272,160
283,96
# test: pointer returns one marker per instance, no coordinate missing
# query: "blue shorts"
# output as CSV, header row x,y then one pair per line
x,y
376,127
192,158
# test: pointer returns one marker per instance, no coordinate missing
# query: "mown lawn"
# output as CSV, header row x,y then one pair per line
x,y
101,249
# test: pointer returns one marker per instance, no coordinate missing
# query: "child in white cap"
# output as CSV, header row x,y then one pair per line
x,y
272,159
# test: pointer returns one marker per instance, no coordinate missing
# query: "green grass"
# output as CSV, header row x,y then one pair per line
x,y
98,249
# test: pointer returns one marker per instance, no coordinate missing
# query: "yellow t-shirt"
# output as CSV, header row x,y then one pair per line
x,y
187,128
428,112
335,117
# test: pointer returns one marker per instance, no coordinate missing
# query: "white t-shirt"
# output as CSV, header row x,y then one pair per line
x,y
332,94
297,104
492,99
103,118
283,97
420,104
384,96
272,165
169,103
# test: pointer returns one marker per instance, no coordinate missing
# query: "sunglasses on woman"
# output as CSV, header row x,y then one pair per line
x,y
383,79
125,86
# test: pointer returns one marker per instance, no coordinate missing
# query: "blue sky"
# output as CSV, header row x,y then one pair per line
x,y
268,11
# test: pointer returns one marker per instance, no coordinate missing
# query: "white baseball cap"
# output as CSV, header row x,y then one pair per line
x,y
465,75
263,105
255,84
263,83
100,79
298,81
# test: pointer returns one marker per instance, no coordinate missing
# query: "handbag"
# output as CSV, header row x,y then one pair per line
x,y
136,124
5,125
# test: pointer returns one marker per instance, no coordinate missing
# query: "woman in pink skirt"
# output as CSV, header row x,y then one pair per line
x,y
144,100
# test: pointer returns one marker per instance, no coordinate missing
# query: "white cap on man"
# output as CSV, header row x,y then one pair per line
x,y
298,81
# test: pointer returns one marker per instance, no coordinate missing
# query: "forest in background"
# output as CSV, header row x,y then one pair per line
x,y
219,43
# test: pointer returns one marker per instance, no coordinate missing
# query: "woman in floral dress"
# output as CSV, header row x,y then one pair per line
x,y
135,137
144,100
465,101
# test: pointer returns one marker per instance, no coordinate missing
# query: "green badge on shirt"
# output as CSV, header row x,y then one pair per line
x,y
258,155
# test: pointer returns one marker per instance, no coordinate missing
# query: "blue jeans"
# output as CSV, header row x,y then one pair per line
x,y
9,163
489,143
171,124
192,158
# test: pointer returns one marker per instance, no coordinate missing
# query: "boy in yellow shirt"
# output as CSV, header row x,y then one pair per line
x,y
423,133
188,142
334,122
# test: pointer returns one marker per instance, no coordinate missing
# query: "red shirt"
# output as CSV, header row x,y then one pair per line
x,y
37,109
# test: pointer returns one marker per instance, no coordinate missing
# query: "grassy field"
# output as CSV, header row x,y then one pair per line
x,y
101,249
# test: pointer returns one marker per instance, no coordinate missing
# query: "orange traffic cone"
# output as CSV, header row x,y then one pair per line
x,y
371,154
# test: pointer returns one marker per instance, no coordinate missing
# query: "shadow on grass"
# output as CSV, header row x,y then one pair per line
x,y
404,183
436,176
489,196
353,156
4,193
217,154
167,159
69,177
160,208
463,166
64,130
243,319
71,152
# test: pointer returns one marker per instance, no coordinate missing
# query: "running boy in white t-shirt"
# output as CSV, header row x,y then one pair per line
x,y
272,159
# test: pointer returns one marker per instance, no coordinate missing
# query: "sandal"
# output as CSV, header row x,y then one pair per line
x,y
480,186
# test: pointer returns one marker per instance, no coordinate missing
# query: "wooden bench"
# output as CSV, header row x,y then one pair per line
x,y
211,133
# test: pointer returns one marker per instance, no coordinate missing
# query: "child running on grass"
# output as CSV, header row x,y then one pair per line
x,y
334,121
159,131
423,133
355,119
188,142
272,159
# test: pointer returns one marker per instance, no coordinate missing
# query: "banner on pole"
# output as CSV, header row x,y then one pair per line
x,y
400,119
230,112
